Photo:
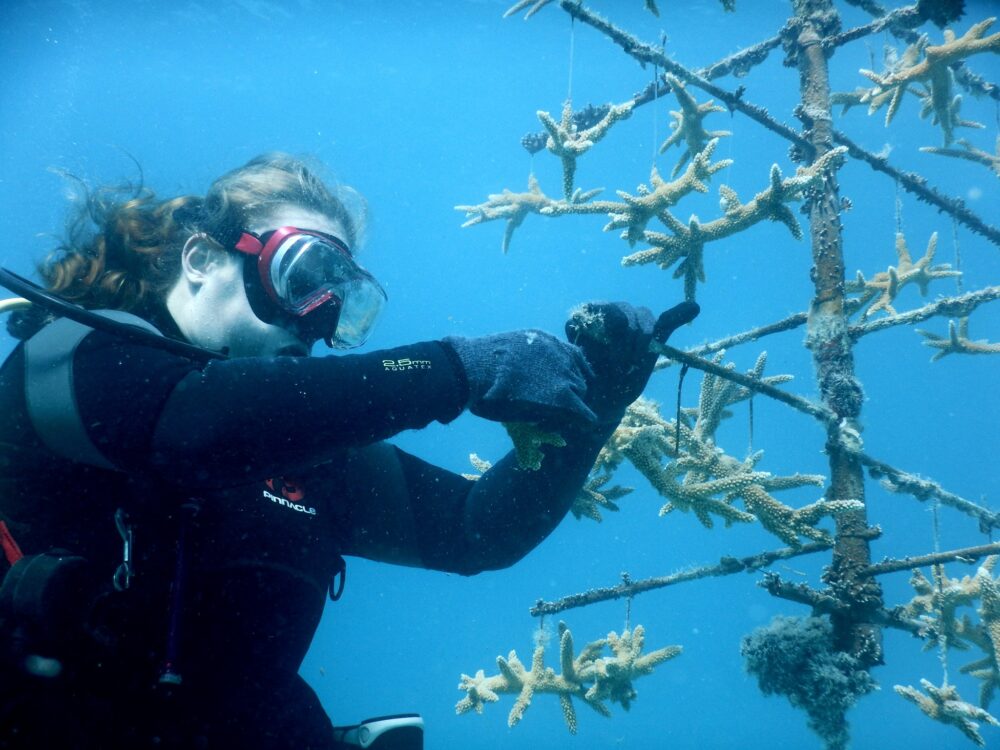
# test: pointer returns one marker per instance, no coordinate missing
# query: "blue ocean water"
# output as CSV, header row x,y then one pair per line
x,y
420,106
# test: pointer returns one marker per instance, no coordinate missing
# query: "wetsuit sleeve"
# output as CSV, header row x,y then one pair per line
x,y
239,420
443,521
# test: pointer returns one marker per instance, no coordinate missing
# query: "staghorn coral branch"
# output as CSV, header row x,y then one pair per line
x,y
879,292
726,566
687,242
515,207
569,141
937,599
634,213
945,705
611,677
699,478
949,51
689,130
970,81
899,481
957,341
970,153
536,5
966,554
928,68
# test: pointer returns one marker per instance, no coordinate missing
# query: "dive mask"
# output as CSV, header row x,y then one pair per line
x,y
311,276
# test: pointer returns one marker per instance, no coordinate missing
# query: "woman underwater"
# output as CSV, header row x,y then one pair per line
x,y
236,478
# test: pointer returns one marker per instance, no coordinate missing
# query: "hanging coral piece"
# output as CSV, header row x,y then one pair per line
x,y
931,77
970,153
944,704
957,341
568,141
587,676
689,132
880,292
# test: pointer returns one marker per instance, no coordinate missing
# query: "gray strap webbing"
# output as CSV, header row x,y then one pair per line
x,y
50,391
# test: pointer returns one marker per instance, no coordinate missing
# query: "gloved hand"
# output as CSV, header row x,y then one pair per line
x,y
615,338
524,376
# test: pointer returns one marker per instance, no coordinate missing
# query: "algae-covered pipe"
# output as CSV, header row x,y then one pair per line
x,y
831,345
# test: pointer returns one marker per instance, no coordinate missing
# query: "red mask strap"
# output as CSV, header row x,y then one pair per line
x,y
249,244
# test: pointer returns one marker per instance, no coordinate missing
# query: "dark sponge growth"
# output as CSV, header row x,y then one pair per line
x,y
794,657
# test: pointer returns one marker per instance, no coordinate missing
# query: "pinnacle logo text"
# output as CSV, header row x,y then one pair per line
x,y
289,504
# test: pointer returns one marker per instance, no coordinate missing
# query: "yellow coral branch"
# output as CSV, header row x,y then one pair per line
x,y
595,497
880,292
932,75
970,153
700,478
536,5
636,210
687,243
528,440
958,341
513,207
689,131
568,142
611,677
944,704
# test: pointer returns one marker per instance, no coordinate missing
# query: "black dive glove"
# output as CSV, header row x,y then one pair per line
x,y
524,376
615,338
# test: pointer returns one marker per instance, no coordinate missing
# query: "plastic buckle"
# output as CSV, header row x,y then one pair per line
x,y
123,573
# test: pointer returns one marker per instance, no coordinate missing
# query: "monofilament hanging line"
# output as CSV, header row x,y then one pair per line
x,y
958,254
572,44
627,581
898,204
656,94
942,636
656,111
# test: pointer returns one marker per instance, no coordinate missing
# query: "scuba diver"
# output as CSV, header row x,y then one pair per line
x,y
179,479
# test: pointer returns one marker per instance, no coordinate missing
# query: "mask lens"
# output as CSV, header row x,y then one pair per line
x,y
305,270
361,305
311,275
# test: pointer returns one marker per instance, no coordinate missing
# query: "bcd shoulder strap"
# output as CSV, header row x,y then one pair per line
x,y
49,388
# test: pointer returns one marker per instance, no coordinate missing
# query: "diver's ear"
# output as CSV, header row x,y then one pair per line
x,y
199,257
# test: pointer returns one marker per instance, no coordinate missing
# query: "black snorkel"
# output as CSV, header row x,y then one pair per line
x,y
60,307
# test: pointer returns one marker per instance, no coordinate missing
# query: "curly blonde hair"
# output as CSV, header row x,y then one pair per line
x,y
122,249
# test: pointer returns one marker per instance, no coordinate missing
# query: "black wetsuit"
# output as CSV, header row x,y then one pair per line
x,y
286,459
